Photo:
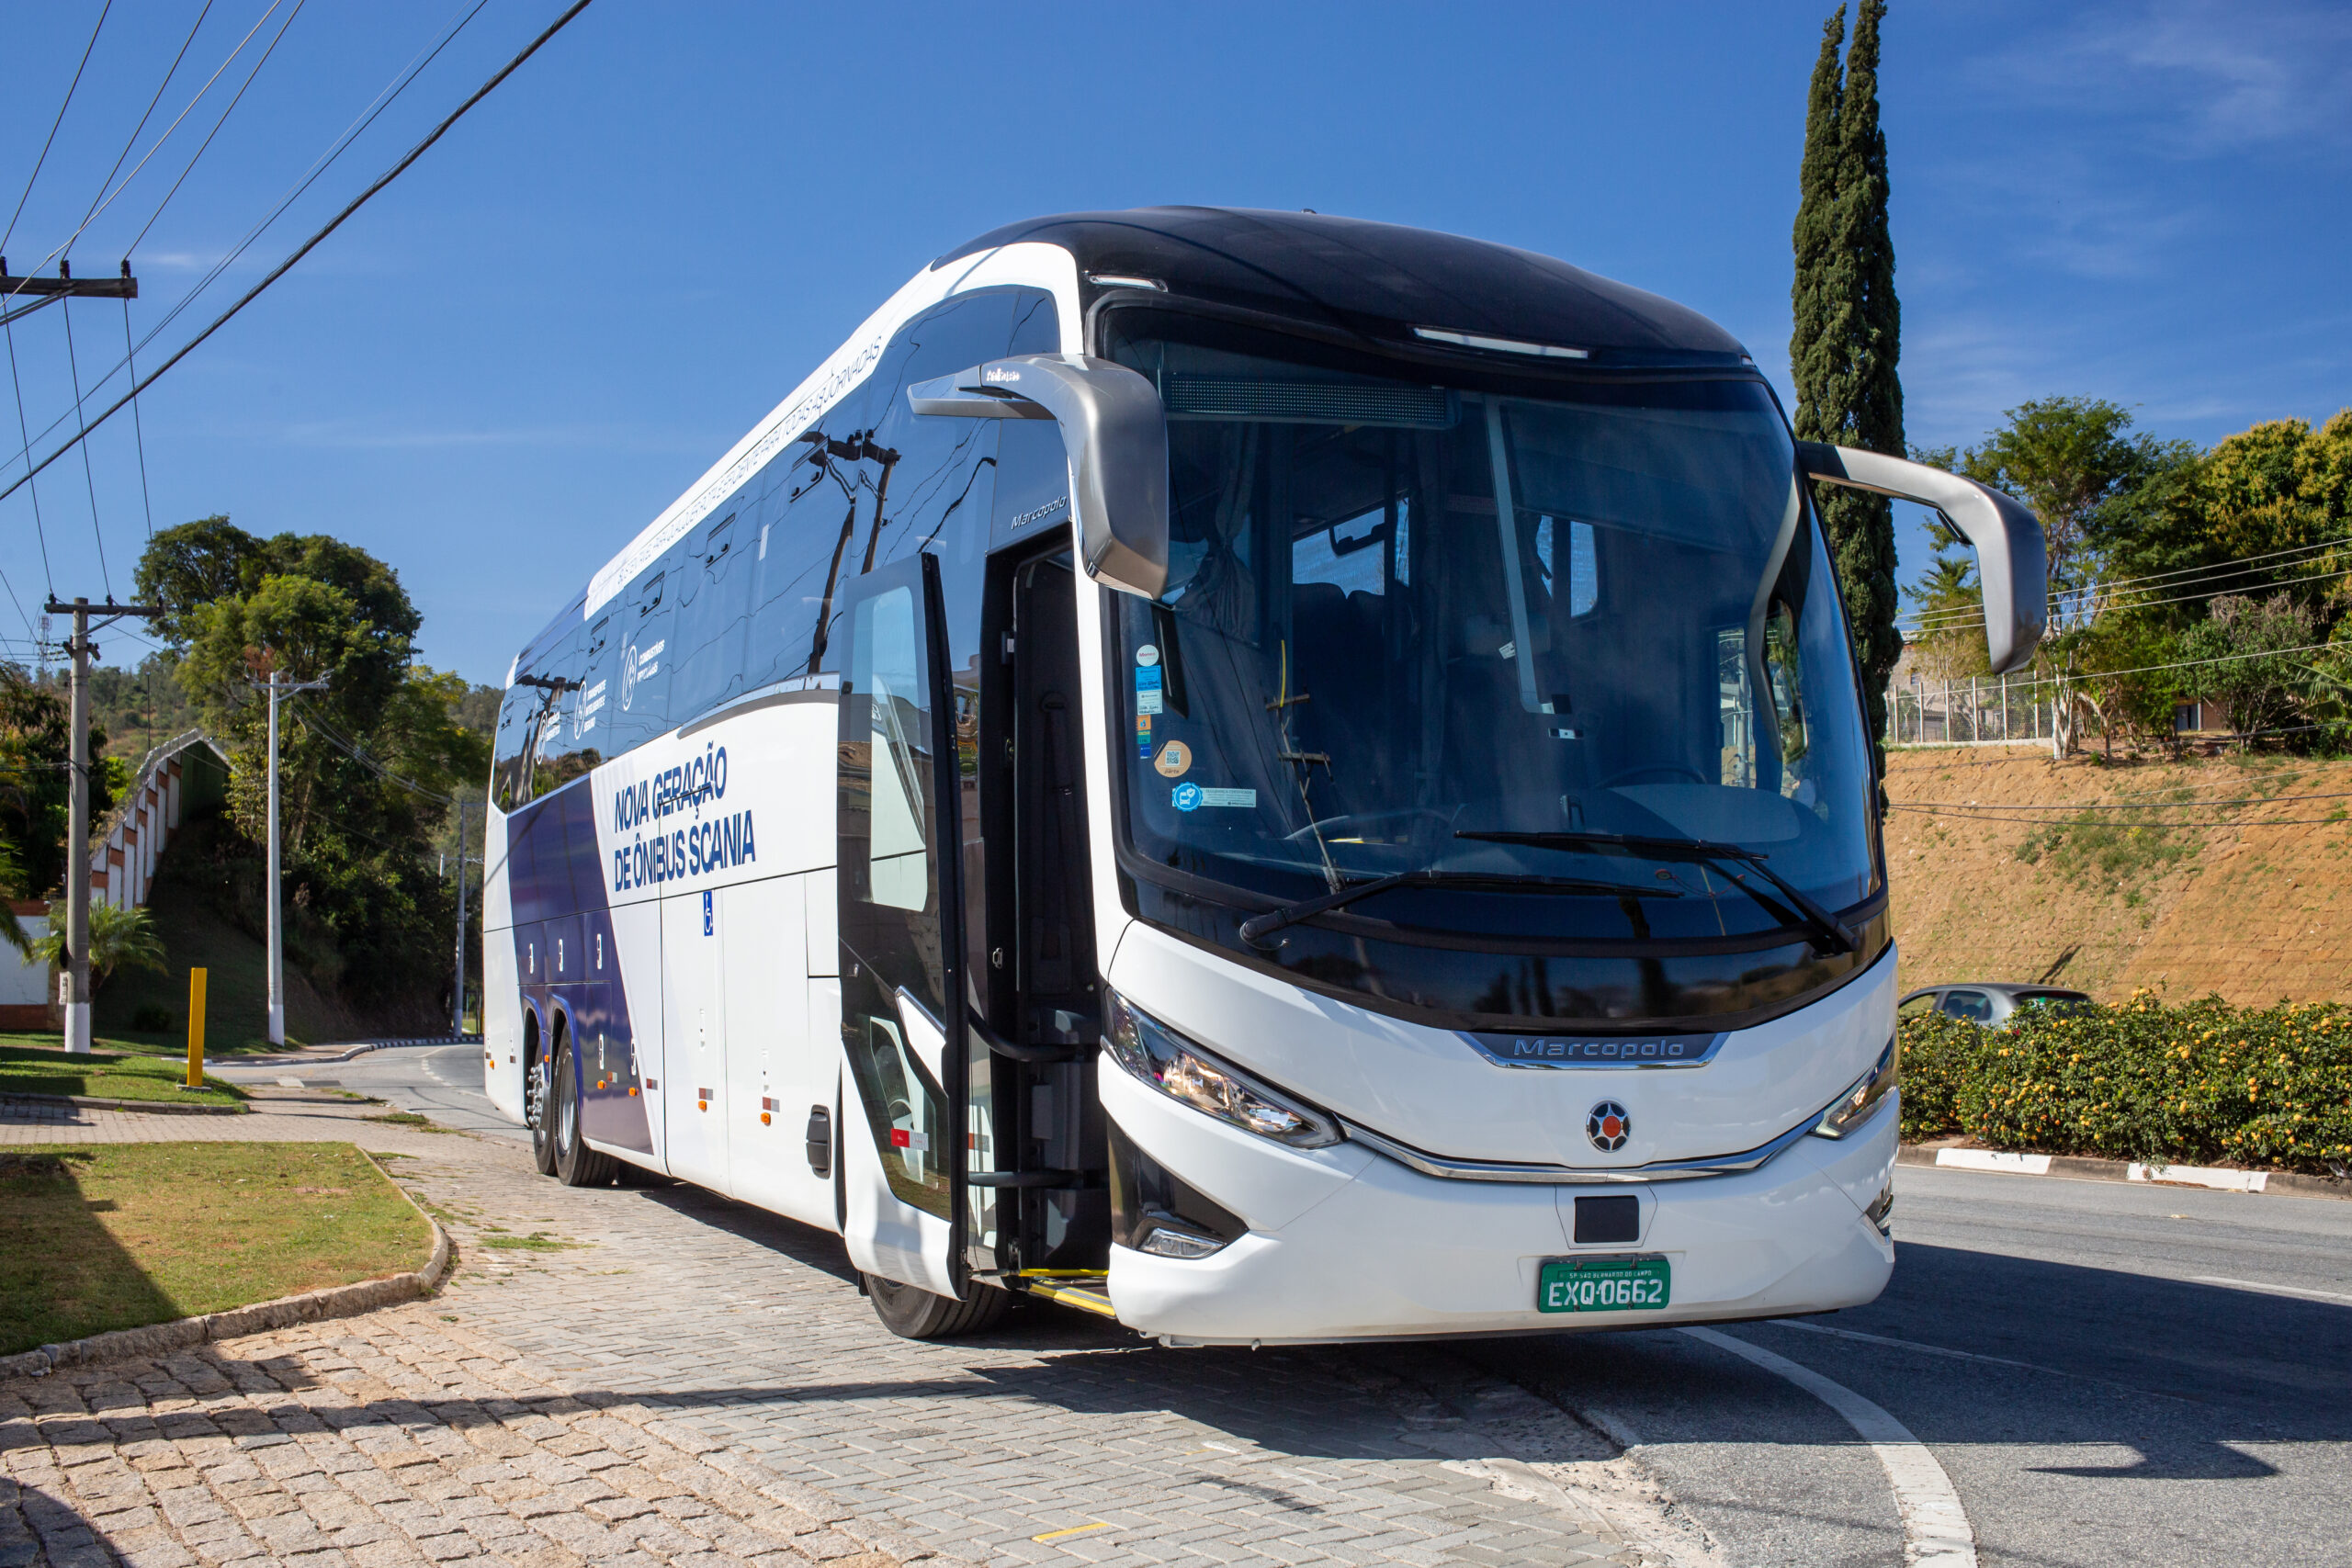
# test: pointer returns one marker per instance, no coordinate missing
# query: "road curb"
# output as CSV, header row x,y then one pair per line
x,y
364,1046
92,1102
2079,1168
261,1318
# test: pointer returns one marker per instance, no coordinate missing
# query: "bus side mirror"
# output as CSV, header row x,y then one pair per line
x,y
1116,433
2011,559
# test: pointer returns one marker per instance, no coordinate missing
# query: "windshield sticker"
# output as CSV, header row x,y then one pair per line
x,y
1143,736
1149,695
1175,760
1146,656
1192,797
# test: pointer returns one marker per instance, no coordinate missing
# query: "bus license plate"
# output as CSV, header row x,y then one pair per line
x,y
1602,1284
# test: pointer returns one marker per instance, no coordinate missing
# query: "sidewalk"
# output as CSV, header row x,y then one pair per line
x,y
653,1376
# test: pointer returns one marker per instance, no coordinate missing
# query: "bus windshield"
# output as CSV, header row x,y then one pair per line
x,y
1487,633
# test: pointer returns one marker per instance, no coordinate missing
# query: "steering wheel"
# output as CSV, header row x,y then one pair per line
x,y
1652,773
1357,820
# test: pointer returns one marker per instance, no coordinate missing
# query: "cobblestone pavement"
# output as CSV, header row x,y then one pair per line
x,y
639,1375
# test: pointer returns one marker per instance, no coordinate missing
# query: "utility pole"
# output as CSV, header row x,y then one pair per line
x,y
458,997
77,832
277,687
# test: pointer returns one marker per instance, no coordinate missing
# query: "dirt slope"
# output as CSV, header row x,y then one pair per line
x,y
2254,913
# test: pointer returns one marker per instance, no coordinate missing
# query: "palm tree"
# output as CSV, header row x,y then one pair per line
x,y
117,937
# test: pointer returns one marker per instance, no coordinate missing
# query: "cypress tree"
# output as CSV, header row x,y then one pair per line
x,y
1848,329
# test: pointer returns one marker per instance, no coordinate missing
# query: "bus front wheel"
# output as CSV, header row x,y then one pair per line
x,y
912,1313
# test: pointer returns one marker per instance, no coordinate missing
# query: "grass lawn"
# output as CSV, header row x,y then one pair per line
x,y
33,1064
118,1236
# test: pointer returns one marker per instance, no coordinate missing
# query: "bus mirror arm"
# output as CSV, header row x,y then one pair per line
x,y
1116,430
2012,562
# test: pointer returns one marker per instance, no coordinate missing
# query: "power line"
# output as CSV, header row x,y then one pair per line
x,y
2234,567
351,749
318,165
138,425
1966,619
206,145
73,363
106,201
2128,599
40,530
335,151
8,234
133,139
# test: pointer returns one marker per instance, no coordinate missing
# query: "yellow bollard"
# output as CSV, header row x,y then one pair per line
x,y
195,1028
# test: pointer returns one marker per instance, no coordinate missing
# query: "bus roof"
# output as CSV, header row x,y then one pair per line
x,y
1372,280
1378,279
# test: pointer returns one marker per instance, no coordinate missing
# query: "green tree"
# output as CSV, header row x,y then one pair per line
x,y
2262,672
2076,462
117,937
2134,678
36,789
367,767
2269,508
1848,327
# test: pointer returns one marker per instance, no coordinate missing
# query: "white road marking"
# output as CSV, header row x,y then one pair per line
x,y
2272,1290
1917,1349
1908,1345
290,1083
2200,1176
1936,1532
1993,1159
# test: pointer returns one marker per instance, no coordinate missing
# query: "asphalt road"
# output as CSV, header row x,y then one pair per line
x,y
440,1081
2109,1374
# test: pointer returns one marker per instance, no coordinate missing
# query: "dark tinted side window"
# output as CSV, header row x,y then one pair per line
x,y
511,749
565,749
640,675
1031,468
714,593
872,483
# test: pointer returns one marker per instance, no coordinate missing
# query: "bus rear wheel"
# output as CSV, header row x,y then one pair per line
x,y
535,1105
912,1313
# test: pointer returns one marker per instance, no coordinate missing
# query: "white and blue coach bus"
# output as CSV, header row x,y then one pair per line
x,y
1272,777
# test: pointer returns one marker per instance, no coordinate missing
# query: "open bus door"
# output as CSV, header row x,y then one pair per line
x,y
904,1013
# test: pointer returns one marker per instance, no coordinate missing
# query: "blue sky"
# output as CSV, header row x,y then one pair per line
x,y
499,370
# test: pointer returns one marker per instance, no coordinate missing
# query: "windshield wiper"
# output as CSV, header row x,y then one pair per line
x,y
1274,921
1829,927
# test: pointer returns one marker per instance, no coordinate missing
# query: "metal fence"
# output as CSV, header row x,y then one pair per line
x,y
1986,710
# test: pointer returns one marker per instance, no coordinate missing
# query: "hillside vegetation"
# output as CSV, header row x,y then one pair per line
x,y
2104,901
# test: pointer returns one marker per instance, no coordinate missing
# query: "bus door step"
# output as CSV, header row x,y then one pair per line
x,y
1088,1290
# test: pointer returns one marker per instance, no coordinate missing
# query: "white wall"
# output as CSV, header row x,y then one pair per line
x,y
24,982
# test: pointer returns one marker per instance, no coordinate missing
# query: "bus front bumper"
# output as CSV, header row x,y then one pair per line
x,y
1346,1243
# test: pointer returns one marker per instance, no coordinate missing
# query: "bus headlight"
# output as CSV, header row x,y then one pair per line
x,y
1854,1107
1182,1070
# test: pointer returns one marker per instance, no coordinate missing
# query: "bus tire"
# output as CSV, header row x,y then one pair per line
x,y
912,1313
535,1083
577,1164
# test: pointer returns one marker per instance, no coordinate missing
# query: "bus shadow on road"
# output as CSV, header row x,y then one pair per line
x,y
2181,1371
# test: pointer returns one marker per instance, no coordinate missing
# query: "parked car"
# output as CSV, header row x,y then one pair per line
x,y
1990,1004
